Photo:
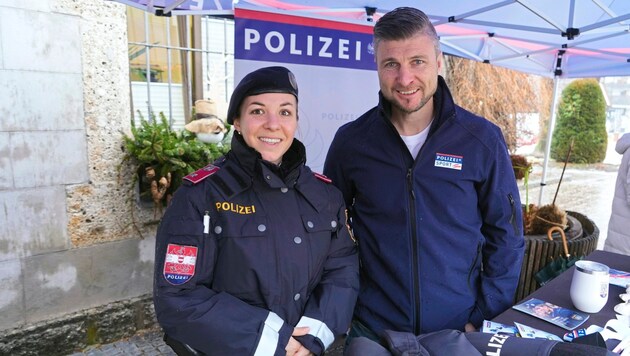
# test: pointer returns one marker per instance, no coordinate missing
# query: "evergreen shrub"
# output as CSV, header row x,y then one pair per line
x,y
582,117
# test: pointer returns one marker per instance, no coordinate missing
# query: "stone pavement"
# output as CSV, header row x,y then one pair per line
x,y
146,342
149,343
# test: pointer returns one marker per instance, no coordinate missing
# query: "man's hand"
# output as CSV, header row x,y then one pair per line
x,y
294,348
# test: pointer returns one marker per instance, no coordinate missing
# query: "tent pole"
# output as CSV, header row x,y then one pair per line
x,y
552,123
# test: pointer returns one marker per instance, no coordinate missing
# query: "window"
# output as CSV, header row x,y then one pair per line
x,y
174,61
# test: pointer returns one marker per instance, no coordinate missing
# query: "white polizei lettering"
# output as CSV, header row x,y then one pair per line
x,y
280,38
326,41
498,338
251,36
295,44
174,276
496,342
292,42
309,45
343,49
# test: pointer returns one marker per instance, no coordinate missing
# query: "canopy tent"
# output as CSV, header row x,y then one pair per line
x,y
182,7
555,39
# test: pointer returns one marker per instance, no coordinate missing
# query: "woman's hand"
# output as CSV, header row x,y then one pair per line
x,y
294,348
469,327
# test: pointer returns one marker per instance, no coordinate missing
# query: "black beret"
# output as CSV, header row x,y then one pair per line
x,y
261,81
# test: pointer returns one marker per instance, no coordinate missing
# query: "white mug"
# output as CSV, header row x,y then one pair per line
x,y
589,286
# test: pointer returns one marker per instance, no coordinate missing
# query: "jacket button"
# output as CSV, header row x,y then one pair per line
x,y
333,224
310,224
297,240
284,190
218,229
268,177
296,297
262,228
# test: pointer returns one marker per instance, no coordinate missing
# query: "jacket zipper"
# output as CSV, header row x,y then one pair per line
x,y
414,252
513,216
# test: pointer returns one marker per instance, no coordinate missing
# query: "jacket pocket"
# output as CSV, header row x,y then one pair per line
x,y
241,226
319,231
246,259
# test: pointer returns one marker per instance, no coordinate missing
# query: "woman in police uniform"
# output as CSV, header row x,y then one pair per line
x,y
253,254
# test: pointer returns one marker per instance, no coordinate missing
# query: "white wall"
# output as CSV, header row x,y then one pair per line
x,y
66,238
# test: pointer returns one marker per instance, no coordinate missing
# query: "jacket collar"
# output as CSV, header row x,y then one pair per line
x,y
292,173
277,177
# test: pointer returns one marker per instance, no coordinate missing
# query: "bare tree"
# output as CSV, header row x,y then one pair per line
x,y
497,93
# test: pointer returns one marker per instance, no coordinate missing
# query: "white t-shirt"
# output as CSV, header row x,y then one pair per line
x,y
414,142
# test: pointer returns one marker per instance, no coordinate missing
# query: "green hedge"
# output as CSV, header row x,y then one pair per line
x,y
582,117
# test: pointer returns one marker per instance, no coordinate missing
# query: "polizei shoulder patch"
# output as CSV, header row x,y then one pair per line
x,y
201,174
179,264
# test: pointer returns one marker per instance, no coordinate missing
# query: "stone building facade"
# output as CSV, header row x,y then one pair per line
x,y
75,258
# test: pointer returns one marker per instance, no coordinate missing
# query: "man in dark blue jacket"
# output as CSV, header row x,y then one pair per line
x,y
433,201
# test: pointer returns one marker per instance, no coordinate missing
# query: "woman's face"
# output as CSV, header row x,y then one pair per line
x,y
268,123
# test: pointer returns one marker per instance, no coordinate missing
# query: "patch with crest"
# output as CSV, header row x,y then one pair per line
x,y
179,264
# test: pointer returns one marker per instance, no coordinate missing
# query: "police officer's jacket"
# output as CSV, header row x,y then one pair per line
x,y
453,342
247,251
440,236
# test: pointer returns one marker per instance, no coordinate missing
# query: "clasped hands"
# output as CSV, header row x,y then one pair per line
x,y
294,347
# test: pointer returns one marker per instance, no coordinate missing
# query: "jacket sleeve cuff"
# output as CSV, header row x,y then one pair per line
x,y
311,343
319,330
274,337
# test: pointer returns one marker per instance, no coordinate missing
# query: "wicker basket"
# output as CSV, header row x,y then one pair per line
x,y
539,251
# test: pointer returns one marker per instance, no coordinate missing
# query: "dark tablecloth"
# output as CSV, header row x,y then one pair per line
x,y
557,292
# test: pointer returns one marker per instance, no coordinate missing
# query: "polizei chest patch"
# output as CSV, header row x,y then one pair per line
x,y
444,160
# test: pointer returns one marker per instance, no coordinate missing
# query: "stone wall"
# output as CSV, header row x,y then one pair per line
x,y
76,331
68,241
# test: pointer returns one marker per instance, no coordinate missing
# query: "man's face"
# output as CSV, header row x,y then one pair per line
x,y
408,71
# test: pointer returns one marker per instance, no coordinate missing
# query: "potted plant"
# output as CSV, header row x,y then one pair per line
x,y
162,156
540,247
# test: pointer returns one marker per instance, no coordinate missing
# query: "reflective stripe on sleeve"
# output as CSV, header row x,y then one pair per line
x,y
318,329
270,335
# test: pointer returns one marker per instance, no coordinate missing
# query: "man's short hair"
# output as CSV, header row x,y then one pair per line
x,y
402,23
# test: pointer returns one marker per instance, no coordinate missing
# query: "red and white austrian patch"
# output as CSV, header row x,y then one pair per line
x,y
179,265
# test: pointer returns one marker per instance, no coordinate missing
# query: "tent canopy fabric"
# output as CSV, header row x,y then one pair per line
x,y
560,38
182,7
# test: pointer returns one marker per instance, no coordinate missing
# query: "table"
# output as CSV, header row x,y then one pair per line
x,y
557,292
